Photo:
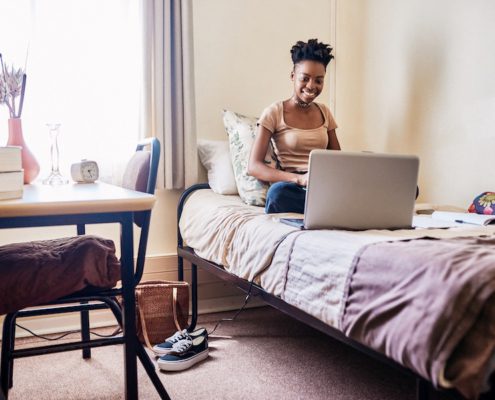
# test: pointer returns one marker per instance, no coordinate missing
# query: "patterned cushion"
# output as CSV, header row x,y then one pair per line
x,y
241,131
483,204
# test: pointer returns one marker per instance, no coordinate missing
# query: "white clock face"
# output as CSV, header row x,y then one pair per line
x,y
89,171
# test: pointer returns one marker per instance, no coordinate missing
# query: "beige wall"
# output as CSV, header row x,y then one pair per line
x,y
242,54
418,77
411,77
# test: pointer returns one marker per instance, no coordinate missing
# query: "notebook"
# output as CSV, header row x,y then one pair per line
x,y
358,191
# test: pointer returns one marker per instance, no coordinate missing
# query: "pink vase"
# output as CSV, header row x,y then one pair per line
x,y
29,162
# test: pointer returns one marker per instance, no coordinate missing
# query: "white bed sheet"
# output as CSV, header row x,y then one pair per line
x,y
307,269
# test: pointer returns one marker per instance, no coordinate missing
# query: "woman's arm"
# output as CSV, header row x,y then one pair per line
x,y
333,142
258,168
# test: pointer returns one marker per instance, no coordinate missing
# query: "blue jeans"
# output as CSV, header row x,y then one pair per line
x,y
285,197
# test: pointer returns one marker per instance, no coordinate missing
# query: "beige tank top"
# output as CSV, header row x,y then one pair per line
x,y
293,145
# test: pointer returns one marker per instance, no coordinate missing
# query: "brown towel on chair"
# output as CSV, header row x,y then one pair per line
x,y
41,271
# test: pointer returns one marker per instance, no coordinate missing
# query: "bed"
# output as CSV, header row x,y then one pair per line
x,y
440,284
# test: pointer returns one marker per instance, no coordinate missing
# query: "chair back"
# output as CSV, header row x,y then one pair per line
x,y
141,171
140,174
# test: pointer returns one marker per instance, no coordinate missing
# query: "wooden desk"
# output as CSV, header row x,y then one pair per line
x,y
40,200
74,204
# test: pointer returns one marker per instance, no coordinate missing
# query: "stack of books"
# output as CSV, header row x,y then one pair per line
x,y
11,173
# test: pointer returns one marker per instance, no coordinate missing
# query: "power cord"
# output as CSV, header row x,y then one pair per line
x,y
246,300
118,330
65,334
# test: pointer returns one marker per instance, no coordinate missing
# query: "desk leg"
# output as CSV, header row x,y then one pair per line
x,y
81,230
130,341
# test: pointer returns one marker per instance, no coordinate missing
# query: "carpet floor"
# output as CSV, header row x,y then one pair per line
x,y
263,354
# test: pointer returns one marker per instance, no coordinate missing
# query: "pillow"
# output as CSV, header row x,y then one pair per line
x,y
241,131
215,157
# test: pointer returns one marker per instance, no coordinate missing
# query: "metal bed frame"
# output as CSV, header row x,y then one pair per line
x,y
424,388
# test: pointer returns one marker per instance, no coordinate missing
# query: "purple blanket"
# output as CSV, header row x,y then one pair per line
x,y
37,272
429,305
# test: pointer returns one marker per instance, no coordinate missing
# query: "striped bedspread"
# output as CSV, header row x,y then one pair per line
x,y
432,308
308,269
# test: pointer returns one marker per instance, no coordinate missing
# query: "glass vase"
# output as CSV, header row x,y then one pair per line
x,y
55,177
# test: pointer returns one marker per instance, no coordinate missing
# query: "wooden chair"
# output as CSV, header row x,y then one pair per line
x,y
140,175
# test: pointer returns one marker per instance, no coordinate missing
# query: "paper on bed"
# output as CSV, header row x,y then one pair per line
x,y
463,218
427,222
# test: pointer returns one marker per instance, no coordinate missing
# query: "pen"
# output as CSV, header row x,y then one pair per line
x,y
460,221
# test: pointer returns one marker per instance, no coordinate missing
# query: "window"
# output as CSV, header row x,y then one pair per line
x,y
83,65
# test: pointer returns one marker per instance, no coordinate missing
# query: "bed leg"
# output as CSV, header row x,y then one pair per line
x,y
180,268
422,389
194,297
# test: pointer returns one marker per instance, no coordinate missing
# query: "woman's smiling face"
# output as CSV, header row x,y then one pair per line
x,y
308,77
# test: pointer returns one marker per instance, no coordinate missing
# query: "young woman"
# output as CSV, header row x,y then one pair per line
x,y
295,127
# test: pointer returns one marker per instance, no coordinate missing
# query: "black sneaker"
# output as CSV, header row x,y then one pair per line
x,y
168,345
181,361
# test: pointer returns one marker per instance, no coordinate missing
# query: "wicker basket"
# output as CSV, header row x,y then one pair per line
x,y
162,308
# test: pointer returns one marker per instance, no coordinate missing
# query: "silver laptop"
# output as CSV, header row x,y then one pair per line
x,y
357,191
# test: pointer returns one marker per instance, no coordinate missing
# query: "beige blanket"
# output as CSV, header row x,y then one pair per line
x,y
307,269
37,272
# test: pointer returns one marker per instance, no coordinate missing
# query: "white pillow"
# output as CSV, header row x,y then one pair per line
x,y
215,157
242,130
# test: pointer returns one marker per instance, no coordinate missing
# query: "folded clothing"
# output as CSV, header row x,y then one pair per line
x,y
38,272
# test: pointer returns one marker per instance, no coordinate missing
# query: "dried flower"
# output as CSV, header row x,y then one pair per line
x,y
12,85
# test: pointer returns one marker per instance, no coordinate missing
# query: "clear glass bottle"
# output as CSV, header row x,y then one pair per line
x,y
55,177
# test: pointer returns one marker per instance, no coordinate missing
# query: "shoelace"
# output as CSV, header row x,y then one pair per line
x,y
182,345
179,335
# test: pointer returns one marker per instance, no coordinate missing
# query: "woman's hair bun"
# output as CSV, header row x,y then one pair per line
x,y
312,50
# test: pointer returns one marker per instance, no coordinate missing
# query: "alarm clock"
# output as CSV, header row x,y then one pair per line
x,y
85,171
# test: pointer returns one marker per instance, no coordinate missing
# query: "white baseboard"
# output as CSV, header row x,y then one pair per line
x,y
214,296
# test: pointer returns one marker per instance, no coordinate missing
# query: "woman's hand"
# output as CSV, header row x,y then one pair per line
x,y
258,168
301,179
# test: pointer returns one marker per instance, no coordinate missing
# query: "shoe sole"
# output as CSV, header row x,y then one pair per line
x,y
181,365
161,352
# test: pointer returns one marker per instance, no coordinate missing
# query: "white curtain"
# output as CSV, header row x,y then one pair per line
x,y
168,99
